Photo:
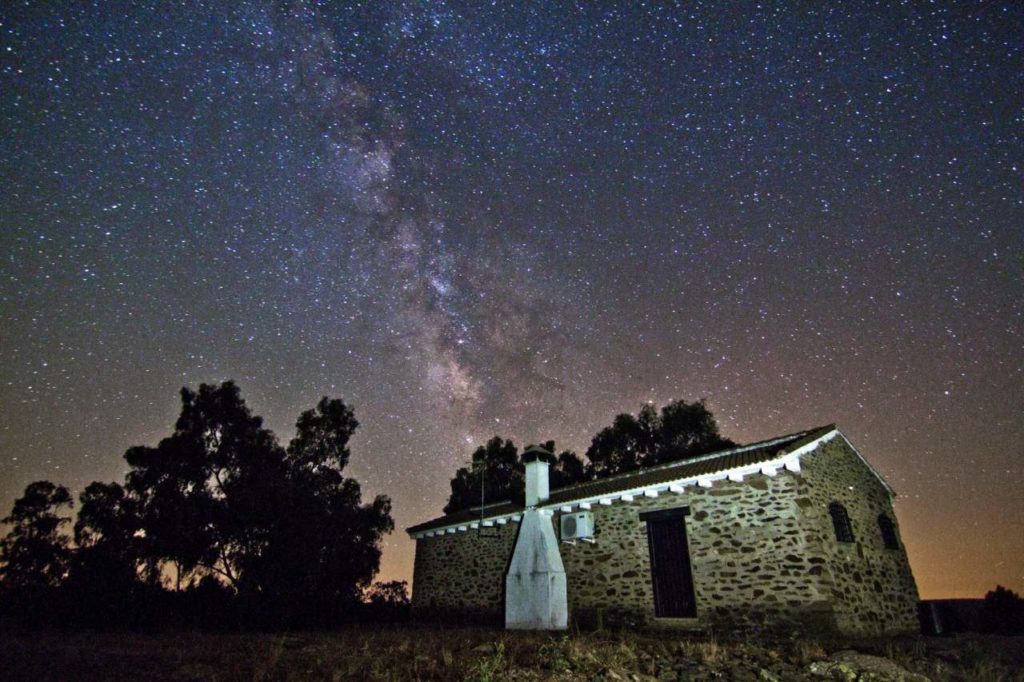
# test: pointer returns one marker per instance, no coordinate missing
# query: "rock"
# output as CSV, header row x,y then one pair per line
x,y
851,666
768,676
485,648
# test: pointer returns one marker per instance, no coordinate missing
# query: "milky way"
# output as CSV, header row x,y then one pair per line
x,y
469,220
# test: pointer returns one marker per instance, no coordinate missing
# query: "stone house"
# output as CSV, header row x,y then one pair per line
x,y
796,532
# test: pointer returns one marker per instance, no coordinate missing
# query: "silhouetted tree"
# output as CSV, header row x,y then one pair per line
x,y
388,601
325,549
498,463
502,469
623,446
681,431
1002,612
394,593
104,573
35,554
206,494
567,469
108,545
285,529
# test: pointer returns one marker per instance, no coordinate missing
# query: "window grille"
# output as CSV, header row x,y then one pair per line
x,y
888,529
841,522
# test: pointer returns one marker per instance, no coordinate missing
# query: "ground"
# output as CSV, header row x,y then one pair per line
x,y
419,652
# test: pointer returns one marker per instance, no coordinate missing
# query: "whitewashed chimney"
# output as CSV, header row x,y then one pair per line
x,y
535,587
537,461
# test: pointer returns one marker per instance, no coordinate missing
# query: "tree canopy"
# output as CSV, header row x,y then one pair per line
x,y
498,464
681,430
219,499
34,554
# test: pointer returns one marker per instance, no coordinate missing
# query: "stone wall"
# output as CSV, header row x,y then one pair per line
x,y
763,556
871,586
751,564
464,571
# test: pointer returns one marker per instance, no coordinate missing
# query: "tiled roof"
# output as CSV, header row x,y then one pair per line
x,y
705,465
468,516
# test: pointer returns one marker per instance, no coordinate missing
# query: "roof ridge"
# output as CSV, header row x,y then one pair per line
x,y
693,460
579,490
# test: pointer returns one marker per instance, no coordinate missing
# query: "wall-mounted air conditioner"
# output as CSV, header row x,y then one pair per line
x,y
578,526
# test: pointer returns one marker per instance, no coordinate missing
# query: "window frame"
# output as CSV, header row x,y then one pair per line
x,y
842,527
887,528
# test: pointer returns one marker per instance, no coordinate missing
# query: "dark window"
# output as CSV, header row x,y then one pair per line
x,y
841,522
888,529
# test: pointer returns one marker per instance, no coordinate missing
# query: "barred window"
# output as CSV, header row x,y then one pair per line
x,y
888,529
841,522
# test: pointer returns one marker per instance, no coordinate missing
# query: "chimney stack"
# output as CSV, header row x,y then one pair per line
x,y
535,587
537,461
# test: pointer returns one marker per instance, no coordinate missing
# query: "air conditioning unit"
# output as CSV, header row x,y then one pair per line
x,y
578,526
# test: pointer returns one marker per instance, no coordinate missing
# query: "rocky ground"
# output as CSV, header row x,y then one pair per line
x,y
423,653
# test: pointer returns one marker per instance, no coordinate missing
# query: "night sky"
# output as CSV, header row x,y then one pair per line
x,y
521,219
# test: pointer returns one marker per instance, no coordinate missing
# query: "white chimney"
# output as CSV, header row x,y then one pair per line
x,y
535,587
537,461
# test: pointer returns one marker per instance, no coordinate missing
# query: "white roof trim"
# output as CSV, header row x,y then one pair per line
x,y
885,483
789,461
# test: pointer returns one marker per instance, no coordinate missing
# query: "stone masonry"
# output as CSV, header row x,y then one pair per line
x,y
872,588
763,554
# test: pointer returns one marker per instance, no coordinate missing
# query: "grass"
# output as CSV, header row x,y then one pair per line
x,y
420,652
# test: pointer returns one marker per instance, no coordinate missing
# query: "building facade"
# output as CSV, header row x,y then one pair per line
x,y
797,532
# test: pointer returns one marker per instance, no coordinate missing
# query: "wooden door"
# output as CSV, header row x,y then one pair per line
x,y
670,564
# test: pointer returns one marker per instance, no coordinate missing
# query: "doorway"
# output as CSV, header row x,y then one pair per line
x,y
670,563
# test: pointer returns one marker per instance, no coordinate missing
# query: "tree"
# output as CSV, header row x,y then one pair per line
x,y
284,529
686,430
104,570
681,431
107,536
1002,612
498,463
392,594
325,548
624,446
206,494
567,469
35,554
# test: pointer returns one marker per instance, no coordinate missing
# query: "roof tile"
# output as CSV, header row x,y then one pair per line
x,y
705,465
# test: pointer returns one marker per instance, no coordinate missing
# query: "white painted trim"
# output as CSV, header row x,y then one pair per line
x,y
788,460
807,447
885,484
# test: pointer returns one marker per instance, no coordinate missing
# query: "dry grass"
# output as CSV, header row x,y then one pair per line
x,y
706,651
415,652
807,651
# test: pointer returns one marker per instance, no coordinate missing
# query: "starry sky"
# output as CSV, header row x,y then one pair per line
x,y
469,219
